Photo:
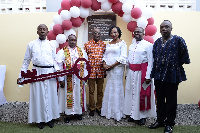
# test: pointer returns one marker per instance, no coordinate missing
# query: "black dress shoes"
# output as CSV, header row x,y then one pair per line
x,y
91,113
51,124
98,112
67,119
141,121
131,119
168,129
41,125
79,117
156,125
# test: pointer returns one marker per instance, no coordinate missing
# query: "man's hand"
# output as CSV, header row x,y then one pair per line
x,y
62,84
148,81
18,80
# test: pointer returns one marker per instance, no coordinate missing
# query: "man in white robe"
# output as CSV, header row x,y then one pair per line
x,y
71,93
43,103
139,91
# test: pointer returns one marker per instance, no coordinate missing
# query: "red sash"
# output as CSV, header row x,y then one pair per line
x,y
143,93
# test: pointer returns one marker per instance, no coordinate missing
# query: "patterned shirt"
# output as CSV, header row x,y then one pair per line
x,y
95,53
169,58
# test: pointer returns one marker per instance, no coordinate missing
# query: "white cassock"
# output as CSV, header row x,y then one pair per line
x,y
140,52
62,92
43,103
113,100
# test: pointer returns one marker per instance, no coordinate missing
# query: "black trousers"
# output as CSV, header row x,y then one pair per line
x,y
166,94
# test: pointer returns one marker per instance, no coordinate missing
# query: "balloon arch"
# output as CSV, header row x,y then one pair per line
x,y
73,13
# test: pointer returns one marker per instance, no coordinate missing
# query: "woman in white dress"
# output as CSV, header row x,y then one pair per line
x,y
114,61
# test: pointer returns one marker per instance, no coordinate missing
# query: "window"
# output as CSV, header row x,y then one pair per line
x,y
3,10
27,10
43,9
37,9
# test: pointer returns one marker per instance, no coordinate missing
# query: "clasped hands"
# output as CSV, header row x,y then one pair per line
x,y
107,67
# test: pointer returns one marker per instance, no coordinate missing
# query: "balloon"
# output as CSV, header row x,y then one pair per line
x,y
101,1
57,19
91,12
69,32
127,17
136,13
65,15
123,1
66,24
150,21
57,29
51,26
76,22
51,35
149,39
74,11
150,30
63,45
57,50
106,6
84,12
121,13
131,26
86,3
82,19
117,7
127,7
112,1
59,11
66,4
55,43
61,38
76,3
142,22
95,5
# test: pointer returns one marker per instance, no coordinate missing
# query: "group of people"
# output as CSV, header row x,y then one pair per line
x,y
150,69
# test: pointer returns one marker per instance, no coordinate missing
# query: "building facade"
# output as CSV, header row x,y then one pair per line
x,y
23,6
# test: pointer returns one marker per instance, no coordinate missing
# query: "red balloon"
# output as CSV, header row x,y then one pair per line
x,y
121,13
112,1
66,5
63,45
150,21
76,3
51,35
95,5
136,13
149,39
76,22
131,26
86,3
57,29
66,24
150,30
59,11
117,7
82,19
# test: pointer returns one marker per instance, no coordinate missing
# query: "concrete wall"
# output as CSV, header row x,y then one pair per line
x,y
17,30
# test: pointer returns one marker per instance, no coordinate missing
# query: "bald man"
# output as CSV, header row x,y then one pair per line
x,y
43,103
95,49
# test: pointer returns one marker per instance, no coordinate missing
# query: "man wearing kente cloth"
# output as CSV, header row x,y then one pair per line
x,y
139,91
72,95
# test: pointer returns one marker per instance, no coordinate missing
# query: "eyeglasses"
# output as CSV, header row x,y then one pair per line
x,y
97,33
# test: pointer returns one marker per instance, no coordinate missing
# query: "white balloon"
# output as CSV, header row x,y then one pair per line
x,y
127,17
57,19
74,11
147,12
55,43
127,7
123,1
91,12
65,14
84,12
61,38
101,0
106,5
69,32
51,26
142,22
